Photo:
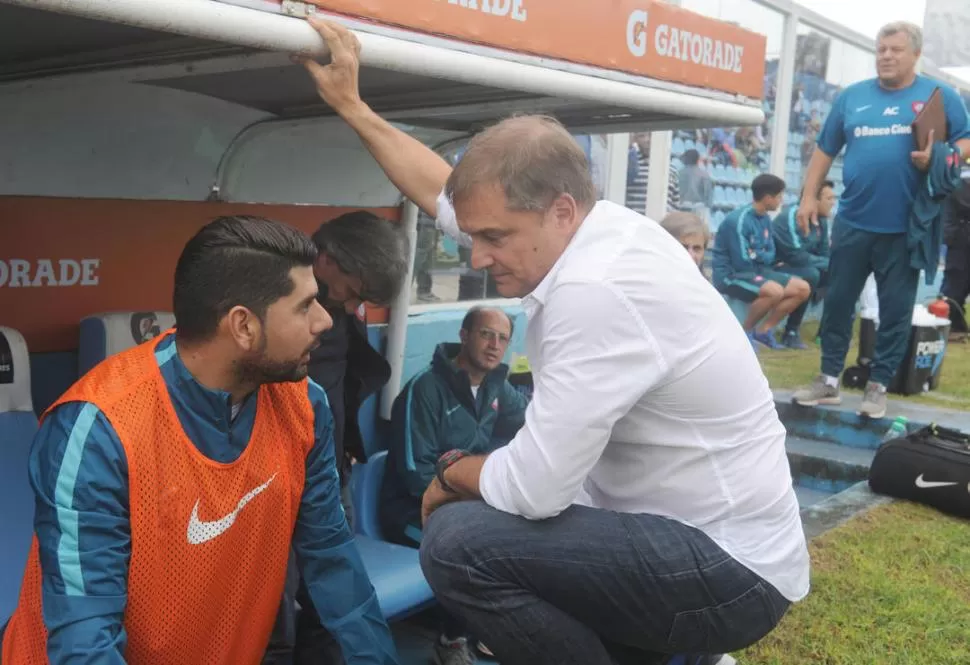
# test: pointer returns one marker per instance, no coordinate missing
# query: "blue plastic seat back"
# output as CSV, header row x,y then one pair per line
x,y
18,425
104,335
366,488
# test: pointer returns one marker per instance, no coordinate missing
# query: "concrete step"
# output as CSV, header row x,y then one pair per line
x,y
827,467
808,497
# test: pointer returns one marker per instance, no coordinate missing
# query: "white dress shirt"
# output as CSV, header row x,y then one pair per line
x,y
648,399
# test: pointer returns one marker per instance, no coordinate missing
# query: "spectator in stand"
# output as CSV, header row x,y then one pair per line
x,y
691,232
696,185
744,259
804,255
638,177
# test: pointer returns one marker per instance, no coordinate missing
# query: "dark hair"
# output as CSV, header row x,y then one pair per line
x,y
821,188
473,314
690,157
766,184
235,261
367,247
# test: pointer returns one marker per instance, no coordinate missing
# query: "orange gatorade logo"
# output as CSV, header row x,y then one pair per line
x,y
643,37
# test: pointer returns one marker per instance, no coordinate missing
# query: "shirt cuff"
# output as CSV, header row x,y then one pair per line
x,y
493,481
447,221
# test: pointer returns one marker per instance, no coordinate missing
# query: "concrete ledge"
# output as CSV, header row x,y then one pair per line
x,y
827,467
842,424
840,508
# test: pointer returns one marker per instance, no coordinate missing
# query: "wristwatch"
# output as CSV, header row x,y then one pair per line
x,y
444,463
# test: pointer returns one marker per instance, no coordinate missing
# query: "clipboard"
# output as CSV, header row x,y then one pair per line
x,y
931,117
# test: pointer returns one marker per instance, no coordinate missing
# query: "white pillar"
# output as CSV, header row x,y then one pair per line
x,y
783,91
617,148
660,143
397,326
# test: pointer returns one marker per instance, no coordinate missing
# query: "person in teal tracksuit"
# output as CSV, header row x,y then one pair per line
x,y
462,400
744,259
804,255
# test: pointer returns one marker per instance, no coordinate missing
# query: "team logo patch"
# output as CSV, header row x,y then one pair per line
x,y
918,106
495,404
144,326
758,279
361,313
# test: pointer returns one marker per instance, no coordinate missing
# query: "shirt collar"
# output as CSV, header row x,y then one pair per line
x,y
535,300
213,405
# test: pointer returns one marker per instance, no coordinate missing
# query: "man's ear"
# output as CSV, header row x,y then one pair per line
x,y
463,336
244,327
565,211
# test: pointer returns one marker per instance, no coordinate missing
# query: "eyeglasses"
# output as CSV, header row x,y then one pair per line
x,y
493,336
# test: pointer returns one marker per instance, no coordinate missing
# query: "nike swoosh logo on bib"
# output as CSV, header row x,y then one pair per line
x,y
201,532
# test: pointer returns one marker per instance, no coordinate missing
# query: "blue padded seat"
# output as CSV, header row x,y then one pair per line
x,y
18,425
104,335
394,570
366,489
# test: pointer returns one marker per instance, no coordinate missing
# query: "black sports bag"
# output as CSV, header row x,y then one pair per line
x,y
929,466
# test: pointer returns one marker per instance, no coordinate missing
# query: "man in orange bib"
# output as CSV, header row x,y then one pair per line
x,y
173,478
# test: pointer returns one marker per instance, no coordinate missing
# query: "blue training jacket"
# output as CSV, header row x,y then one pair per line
x,y
79,475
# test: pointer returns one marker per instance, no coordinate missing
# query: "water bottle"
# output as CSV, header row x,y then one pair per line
x,y
897,431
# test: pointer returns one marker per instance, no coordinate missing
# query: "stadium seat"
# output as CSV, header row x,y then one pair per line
x,y
366,482
394,570
738,307
396,574
19,425
103,335
720,197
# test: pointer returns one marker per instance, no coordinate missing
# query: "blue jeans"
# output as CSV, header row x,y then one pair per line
x,y
592,587
855,254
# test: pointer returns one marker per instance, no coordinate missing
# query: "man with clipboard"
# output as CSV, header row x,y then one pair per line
x,y
875,121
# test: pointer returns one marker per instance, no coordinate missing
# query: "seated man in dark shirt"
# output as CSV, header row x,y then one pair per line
x,y
804,254
463,400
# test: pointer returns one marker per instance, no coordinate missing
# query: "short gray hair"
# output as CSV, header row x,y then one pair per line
x,y
913,31
682,223
370,248
532,158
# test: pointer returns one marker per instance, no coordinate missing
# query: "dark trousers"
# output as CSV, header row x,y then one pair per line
x,y
856,254
592,587
299,637
817,279
956,279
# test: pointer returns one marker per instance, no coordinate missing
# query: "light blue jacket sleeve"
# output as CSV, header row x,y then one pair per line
x,y
79,475
329,562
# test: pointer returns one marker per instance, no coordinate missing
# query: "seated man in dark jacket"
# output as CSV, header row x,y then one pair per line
x,y
463,400
956,235
804,255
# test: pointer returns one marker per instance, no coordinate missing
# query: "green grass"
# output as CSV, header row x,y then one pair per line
x,y
891,587
791,369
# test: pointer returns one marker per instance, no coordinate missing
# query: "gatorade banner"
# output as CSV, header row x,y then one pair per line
x,y
64,259
643,37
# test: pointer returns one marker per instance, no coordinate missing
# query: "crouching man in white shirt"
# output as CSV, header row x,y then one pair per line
x,y
646,507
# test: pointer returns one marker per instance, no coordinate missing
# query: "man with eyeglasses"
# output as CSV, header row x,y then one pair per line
x,y
462,400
